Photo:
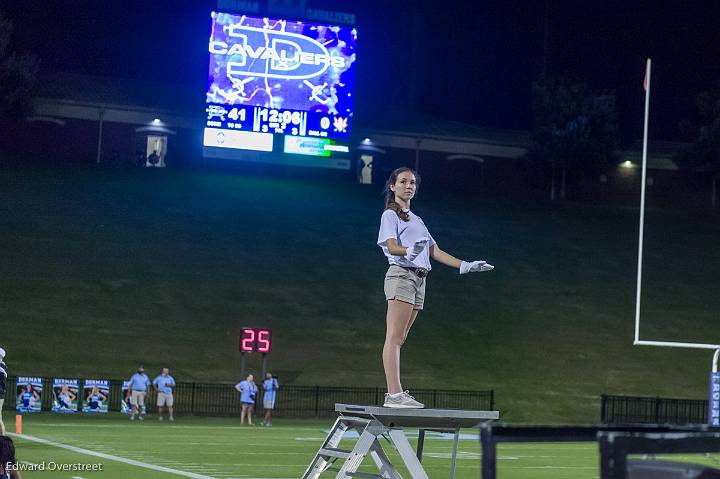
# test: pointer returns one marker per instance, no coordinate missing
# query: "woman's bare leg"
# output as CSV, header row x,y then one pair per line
x,y
412,321
399,317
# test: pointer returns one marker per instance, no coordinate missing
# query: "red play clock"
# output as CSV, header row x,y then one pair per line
x,y
255,340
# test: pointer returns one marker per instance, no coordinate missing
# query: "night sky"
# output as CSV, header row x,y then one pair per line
x,y
467,61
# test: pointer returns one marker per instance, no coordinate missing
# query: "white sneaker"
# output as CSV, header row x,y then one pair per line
x,y
402,400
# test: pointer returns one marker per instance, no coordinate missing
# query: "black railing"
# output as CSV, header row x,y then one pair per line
x,y
205,399
492,434
652,410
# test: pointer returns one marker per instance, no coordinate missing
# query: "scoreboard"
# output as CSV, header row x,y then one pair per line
x,y
271,78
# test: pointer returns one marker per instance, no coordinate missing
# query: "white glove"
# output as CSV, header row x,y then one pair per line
x,y
475,267
414,250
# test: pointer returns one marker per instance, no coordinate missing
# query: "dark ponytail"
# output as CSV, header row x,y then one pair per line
x,y
390,203
7,452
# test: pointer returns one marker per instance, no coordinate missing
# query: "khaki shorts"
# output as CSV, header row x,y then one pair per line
x,y
270,404
164,399
137,398
404,285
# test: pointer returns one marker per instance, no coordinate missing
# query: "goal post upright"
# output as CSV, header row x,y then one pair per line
x,y
643,180
714,389
638,341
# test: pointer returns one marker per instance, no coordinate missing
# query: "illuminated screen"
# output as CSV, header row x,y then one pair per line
x,y
312,146
279,76
252,340
242,140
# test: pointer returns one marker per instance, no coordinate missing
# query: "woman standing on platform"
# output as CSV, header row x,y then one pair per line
x,y
408,246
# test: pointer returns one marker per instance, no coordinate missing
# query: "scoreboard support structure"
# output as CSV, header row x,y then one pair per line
x,y
242,364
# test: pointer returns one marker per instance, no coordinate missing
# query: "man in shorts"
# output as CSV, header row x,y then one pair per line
x,y
164,384
270,387
138,385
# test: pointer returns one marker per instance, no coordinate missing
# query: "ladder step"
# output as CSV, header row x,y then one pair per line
x,y
334,452
354,421
365,475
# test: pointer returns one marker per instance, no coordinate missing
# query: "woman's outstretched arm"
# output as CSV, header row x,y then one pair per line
x,y
445,258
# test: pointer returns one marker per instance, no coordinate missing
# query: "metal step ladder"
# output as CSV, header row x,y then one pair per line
x,y
372,423
330,458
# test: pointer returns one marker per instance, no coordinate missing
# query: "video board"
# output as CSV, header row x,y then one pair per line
x,y
277,76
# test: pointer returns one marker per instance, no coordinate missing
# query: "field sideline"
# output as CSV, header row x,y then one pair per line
x,y
205,448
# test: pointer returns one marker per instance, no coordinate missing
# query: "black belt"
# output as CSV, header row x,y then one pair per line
x,y
419,272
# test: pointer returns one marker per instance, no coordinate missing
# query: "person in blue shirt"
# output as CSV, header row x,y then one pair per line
x,y
125,406
164,384
95,399
270,387
28,397
138,386
65,398
248,390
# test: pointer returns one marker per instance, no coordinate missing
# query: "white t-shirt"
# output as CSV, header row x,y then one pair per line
x,y
406,233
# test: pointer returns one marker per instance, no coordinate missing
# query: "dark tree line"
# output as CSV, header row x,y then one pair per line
x,y
18,74
703,155
575,134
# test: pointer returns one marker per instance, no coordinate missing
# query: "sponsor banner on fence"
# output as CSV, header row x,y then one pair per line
x,y
97,395
29,392
125,407
714,400
65,392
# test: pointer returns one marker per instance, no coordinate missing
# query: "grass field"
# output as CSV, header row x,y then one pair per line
x,y
220,448
105,269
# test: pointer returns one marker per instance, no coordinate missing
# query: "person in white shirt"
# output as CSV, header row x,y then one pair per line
x,y
408,246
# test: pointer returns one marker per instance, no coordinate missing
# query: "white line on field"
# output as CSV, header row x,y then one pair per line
x,y
75,425
110,457
551,467
460,455
133,462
